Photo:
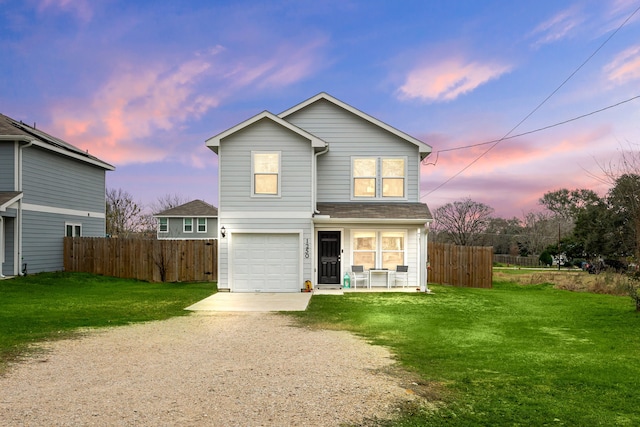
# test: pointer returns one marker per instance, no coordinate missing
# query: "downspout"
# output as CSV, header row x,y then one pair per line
x,y
18,261
315,179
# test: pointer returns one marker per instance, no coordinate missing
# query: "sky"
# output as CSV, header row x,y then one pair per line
x,y
142,84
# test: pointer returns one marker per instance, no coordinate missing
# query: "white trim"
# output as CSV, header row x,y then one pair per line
x,y
73,226
379,250
160,225
278,174
386,221
316,254
61,211
379,179
184,225
264,214
198,225
3,208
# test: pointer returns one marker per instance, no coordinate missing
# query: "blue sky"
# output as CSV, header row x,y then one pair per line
x,y
142,84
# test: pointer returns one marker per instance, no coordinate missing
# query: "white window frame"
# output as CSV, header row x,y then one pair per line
x,y
198,225
184,225
379,250
76,229
379,178
278,174
166,224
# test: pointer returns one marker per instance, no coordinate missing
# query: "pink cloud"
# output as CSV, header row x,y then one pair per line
x,y
448,79
557,27
625,67
133,105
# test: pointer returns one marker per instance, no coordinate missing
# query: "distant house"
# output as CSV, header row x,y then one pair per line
x,y
307,193
48,189
193,220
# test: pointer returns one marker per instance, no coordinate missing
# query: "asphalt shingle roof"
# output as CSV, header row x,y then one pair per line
x,y
193,208
375,210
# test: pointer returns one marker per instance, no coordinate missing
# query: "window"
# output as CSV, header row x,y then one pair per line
x,y
379,249
73,230
378,177
266,171
187,225
202,225
163,225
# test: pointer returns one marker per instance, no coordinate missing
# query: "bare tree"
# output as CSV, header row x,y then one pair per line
x,y
167,201
124,215
462,222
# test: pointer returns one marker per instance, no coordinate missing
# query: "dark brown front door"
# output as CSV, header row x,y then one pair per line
x,y
328,257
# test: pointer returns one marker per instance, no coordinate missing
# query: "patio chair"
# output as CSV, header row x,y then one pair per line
x,y
359,275
402,275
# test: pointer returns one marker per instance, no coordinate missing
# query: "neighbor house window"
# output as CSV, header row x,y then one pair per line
x,y
188,225
379,249
163,225
73,230
266,173
202,225
379,177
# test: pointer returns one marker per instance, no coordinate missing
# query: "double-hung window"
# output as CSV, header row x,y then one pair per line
x,y
202,225
163,225
379,249
187,225
266,173
379,177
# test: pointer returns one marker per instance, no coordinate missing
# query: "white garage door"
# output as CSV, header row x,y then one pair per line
x,y
265,263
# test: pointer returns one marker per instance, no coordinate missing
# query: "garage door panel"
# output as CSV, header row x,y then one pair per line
x,y
265,262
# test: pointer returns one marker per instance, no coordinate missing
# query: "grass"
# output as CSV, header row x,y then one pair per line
x,y
48,306
517,355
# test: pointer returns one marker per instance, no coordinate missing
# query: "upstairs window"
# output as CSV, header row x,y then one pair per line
x,y
266,173
163,225
202,225
379,177
187,225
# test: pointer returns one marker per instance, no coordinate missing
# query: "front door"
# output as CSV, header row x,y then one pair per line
x,y
328,257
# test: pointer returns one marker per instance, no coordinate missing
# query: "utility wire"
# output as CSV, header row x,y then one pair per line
x,y
564,122
537,107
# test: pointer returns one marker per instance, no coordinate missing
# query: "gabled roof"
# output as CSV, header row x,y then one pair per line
x,y
374,211
214,142
423,149
12,130
7,198
194,208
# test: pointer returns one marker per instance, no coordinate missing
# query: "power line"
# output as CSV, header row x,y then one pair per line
x,y
494,144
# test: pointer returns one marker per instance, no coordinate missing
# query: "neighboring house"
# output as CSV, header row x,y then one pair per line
x,y
48,189
193,220
308,193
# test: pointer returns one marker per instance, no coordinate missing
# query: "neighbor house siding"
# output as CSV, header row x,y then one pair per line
x,y
261,225
57,181
349,135
295,169
176,229
42,235
7,166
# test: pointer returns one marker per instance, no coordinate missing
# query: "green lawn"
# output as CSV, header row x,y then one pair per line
x,y
512,355
52,305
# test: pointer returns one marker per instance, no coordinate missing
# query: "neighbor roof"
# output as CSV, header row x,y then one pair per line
x,y
13,130
424,149
413,212
194,208
8,198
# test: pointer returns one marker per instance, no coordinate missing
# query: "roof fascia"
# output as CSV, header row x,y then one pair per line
x,y
214,142
4,206
423,149
320,219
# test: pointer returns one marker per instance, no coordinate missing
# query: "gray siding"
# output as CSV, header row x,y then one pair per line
x,y
7,166
42,238
9,225
54,180
176,229
349,135
260,225
295,173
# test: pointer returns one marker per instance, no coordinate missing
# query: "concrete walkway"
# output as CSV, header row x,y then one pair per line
x,y
259,302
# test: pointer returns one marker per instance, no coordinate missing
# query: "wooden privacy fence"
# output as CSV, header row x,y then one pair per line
x,y
143,259
470,266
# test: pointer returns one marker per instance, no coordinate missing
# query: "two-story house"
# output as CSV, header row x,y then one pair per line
x,y
307,193
48,189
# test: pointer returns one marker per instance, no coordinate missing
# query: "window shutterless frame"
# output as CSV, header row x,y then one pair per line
x,y
265,173
379,177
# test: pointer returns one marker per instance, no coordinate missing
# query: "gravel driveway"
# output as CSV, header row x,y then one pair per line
x,y
217,369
